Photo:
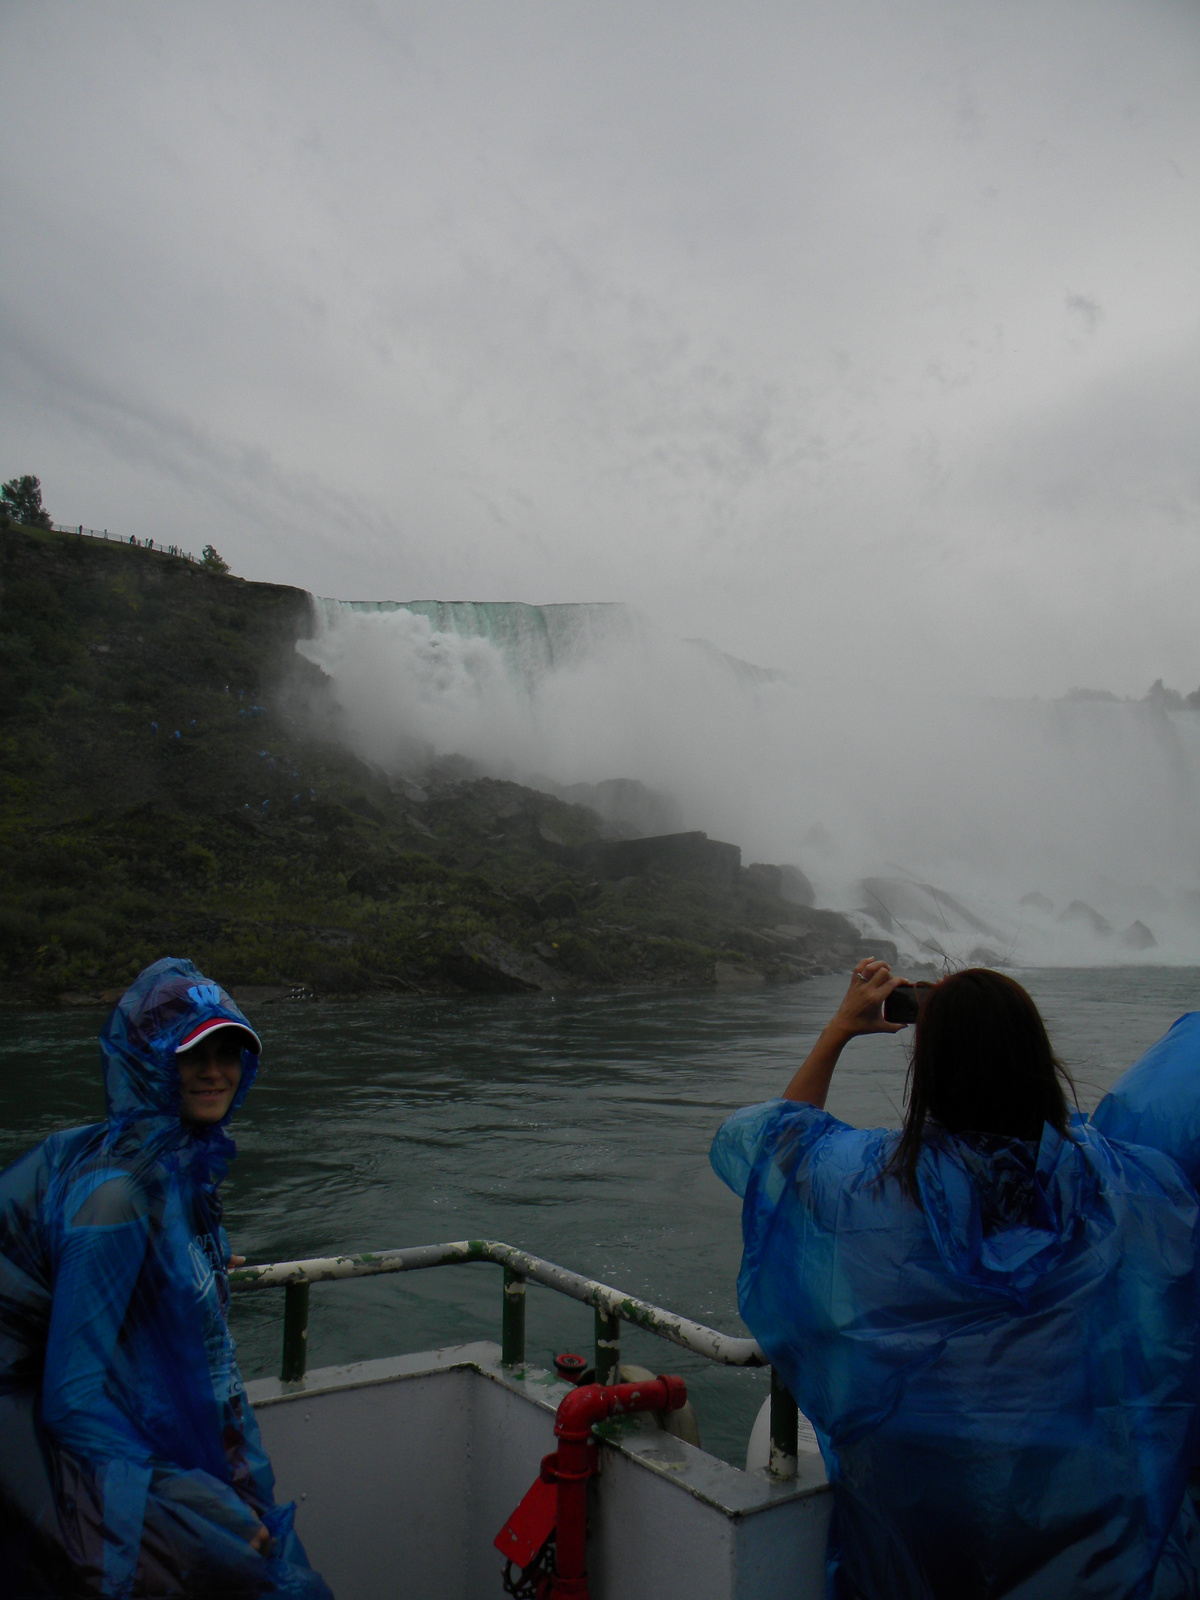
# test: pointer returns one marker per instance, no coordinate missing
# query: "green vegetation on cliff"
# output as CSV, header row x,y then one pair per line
x,y
171,781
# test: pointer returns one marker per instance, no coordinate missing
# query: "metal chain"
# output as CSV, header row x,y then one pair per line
x,y
533,1582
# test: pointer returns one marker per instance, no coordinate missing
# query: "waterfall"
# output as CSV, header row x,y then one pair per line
x,y
531,640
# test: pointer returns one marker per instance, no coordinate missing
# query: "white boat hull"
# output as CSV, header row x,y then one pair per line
x,y
406,1469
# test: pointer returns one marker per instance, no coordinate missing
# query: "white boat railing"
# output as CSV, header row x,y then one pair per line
x,y
612,1307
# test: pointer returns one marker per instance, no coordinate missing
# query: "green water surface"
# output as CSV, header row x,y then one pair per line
x,y
577,1128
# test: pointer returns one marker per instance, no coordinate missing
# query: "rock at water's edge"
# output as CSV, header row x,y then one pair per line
x,y
487,963
1080,911
729,976
982,955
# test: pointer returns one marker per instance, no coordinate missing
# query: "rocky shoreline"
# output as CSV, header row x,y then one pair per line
x,y
174,782
580,933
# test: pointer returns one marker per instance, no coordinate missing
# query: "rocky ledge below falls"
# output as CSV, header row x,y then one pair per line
x,y
174,780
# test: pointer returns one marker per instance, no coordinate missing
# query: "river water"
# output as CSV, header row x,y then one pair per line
x,y
577,1128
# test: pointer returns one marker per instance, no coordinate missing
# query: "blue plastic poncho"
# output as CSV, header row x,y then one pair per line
x,y
1157,1102
131,1462
1003,1380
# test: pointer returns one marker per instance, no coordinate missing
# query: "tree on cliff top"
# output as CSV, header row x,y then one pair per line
x,y
22,500
210,560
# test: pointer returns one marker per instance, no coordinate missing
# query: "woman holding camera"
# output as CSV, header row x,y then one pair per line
x,y
992,1318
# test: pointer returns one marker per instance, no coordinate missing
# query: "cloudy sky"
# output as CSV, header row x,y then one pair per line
x,y
861,337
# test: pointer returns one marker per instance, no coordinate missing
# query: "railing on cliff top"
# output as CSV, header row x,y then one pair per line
x,y
612,1307
118,538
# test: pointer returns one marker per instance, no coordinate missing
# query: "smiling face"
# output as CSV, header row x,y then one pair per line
x,y
209,1075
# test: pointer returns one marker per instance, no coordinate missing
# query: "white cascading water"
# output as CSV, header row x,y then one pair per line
x,y
880,801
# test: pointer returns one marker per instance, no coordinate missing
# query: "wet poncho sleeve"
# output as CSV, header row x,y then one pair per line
x,y
1157,1102
816,1254
1003,1378
739,1142
100,1259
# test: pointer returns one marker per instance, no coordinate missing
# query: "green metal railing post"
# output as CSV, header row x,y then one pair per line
x,y
295,1332
512,1322
608,1346
785,1426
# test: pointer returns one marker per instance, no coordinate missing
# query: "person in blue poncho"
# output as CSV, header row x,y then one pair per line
x,y
130,1461
992,1318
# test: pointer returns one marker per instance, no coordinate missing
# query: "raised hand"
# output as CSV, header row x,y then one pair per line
x,y
861,1011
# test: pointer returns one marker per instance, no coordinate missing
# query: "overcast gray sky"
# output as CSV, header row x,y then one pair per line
x,y
861,337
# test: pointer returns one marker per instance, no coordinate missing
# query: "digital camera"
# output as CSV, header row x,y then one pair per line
x,y
906,1003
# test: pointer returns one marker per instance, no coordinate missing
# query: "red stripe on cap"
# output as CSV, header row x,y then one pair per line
x,y
213,1024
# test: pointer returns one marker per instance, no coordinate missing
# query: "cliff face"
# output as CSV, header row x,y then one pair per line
x,y
171,782
107,650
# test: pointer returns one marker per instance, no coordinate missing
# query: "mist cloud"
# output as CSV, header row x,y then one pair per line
x,y
989,801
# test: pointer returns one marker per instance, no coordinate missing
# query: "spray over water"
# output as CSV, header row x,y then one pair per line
x,y
1033,832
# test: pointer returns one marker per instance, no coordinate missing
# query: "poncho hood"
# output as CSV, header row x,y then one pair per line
x,y
141,1077
1002,1211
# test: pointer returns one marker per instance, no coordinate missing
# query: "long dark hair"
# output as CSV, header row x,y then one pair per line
x,y
981,1063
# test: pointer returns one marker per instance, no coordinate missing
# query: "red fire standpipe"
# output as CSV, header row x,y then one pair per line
x,y
574,1462
575,1465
